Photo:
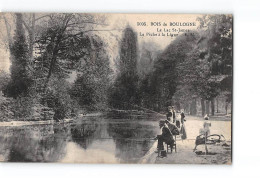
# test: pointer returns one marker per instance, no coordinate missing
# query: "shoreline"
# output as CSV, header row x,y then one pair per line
x,y
67,120
28,123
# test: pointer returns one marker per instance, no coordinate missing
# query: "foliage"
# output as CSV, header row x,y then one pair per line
x,y
125,89
162,83
20,82
91,86
5,108
57,98
4,79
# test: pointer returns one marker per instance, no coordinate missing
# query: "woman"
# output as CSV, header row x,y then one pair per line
x,y
206,126
183,130
204,133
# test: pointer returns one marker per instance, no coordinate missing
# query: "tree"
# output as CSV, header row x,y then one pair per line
x,y
125,88
209,63
148,53
21,81
91,86
216,43
168,70
57,98
4,79
62,41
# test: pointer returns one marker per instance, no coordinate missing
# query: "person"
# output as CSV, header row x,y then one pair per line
x,y
174,130
183,130
173,114
169,115
204,133
206,126
165,136
182,117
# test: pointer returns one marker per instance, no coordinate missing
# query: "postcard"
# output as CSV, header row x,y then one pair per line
x,y
116,88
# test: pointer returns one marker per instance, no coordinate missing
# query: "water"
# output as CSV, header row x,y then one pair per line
x,y
111,138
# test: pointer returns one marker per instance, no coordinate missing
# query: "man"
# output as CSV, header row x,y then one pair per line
x,y
165,136
173,114
173,128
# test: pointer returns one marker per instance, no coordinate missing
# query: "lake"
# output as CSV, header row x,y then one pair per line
x,y
111,138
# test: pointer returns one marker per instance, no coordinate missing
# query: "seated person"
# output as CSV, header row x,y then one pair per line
x,y
204,133
173,128
165,136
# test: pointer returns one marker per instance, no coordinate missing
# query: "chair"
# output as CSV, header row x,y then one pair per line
x,y
171,146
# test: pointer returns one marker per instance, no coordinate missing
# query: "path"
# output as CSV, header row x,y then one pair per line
x,y
185,154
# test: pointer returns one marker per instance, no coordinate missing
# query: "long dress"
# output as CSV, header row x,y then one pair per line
x,y
206,126
183,130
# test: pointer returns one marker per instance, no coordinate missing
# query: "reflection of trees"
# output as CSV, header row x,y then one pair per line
x,y
44,143
131,139
83,134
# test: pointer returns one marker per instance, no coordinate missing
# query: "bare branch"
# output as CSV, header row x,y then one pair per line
x,y
27,26
89,22
42,17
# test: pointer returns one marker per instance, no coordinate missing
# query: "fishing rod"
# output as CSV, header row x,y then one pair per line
x,y
134,105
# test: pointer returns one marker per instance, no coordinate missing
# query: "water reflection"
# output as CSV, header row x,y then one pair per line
x,y
95,140
132,140
41,143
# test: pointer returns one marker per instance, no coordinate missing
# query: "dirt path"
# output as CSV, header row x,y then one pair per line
x,y
185,154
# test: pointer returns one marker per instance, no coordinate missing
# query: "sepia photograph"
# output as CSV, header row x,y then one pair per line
x,y
108,88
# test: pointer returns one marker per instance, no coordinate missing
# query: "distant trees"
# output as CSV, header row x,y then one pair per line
x,y
195,66
217,44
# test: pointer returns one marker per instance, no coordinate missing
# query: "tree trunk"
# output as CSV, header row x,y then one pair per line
x,y
193,107
217,105
226,107
202,106
212,106
93,54
31,39
207,107
8,31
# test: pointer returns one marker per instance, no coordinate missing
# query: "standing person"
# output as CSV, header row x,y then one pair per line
x,y
173,114
204,133
182,117
206,125
169,115
165,136
183,130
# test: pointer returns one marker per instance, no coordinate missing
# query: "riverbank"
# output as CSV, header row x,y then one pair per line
x,y
27,123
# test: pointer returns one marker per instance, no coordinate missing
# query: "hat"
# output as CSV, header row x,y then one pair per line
x,y
206,117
